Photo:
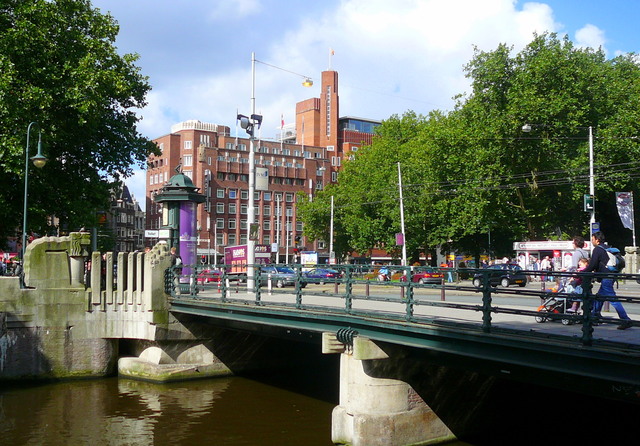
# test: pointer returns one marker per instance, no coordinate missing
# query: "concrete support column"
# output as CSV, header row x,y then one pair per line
x,y
378,411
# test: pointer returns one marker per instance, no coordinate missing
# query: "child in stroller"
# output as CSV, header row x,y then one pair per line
x,y
565,293
575,286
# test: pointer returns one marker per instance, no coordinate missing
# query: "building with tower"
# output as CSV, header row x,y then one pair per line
x,y
305,158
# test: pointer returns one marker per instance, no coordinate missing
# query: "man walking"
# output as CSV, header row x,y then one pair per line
x,y
598,264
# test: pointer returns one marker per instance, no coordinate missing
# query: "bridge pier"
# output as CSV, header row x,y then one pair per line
x,y
378,411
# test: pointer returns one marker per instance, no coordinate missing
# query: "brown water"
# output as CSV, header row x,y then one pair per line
x,y
223,411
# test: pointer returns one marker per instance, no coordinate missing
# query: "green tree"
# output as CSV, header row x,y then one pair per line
x,y
473,170
60,68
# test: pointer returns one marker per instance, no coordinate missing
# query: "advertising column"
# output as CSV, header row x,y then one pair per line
x,y
187,236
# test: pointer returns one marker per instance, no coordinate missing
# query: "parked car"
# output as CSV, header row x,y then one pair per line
x,y
209,275
321,275
503,274
281,276
426,275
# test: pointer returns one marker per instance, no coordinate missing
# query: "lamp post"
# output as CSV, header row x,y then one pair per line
x,y
249,124
39,161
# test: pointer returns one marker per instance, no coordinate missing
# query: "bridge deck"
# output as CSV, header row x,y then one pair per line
x,y
513,311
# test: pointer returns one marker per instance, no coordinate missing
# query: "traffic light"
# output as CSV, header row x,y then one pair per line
x,y
203,259
588,203
296,250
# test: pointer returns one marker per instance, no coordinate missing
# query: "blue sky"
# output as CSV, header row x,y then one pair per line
x,y
391,56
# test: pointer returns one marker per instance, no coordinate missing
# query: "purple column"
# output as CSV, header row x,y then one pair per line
x,y
188,239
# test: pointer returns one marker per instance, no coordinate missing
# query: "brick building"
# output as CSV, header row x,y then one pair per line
x,y
305,158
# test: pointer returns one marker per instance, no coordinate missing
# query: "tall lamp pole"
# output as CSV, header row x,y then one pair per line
x,y
404,241
39,161
592,187
249,124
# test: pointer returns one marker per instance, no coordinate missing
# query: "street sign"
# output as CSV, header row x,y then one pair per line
x,y
595,227
151,233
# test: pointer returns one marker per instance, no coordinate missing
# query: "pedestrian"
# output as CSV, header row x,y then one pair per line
x,y
545,265
175,258
579,252
598,264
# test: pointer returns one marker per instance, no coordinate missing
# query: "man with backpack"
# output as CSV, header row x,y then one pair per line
x,y
598,264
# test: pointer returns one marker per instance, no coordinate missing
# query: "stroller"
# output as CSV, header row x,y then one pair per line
x,y
558,300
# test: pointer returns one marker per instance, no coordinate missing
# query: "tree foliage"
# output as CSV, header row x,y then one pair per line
x,y
472,174
59,67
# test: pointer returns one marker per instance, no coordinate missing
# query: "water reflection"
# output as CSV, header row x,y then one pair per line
x,y
229,411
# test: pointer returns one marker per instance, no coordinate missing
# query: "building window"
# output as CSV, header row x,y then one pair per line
x,y
220,239
298,226
243,209
243,224
289,211
243,177
187,160
232,208
187,145
220,193
220,175
220,223
231,238
256,196
266,225
334,177
219,208
289,197
244,194
266,240
267,196
232,177
335,161
232,223
233,194
266,211
188,173
243,239
229,146
242,147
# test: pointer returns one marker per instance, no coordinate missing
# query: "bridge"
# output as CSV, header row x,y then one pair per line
x,y
418,362
489,330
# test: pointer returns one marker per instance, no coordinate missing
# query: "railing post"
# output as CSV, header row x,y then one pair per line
x,y
486,303
257,274
409,285
348,288
587,310
298,287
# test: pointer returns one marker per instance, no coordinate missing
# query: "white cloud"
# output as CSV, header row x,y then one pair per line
x,y
391,57
590,36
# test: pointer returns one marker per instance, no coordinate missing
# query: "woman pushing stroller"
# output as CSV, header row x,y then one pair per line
x,y
579,262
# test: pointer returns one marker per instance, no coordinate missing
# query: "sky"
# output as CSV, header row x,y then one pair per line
x,y
391,56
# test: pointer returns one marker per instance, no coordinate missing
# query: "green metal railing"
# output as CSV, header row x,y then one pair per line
x,y
357,283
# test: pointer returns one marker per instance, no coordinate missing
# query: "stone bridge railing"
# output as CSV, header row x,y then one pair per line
x,y
76,305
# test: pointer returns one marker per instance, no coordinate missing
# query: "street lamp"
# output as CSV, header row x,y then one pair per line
x,y
249,124
39,161
592,188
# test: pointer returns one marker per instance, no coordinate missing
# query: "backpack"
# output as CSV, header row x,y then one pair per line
x,y
616,260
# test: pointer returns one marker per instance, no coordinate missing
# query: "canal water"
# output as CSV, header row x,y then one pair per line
x,y
118,412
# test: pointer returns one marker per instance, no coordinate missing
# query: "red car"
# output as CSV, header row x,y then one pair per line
x,y
209,275
426,275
